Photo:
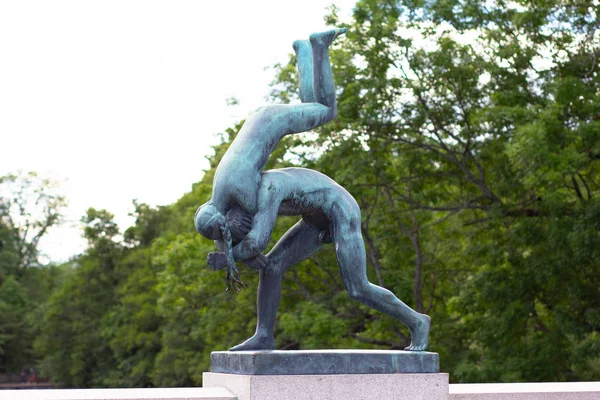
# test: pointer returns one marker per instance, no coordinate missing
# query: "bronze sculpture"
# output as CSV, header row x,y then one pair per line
x,y
246,202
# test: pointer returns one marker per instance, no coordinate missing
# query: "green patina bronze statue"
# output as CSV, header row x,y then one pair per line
x,y
246,202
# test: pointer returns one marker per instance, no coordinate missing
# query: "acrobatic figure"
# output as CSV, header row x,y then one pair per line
x,y
238,175
329,214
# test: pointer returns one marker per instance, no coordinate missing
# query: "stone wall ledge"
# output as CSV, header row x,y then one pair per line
x,y
526,391
214,393
483,391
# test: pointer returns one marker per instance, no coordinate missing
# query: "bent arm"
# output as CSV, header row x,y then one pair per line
x,y
268,200
258,238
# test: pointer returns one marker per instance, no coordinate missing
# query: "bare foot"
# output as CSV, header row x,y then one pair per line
x,y
256,342
327,37
419,335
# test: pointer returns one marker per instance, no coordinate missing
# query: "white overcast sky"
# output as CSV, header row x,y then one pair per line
x,y
122,100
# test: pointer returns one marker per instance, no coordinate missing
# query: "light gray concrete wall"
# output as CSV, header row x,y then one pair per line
x,y
215,393
358,387
432,386
526,391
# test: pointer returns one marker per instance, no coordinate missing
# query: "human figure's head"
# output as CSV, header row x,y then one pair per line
x,y
209,221
213,225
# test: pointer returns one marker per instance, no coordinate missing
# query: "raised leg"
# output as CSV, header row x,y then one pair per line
x,y
323,84
298,243
322,109
304,65
315,79
264,128
351,256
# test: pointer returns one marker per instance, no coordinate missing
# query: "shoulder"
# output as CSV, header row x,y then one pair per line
x,y
273,187
270,181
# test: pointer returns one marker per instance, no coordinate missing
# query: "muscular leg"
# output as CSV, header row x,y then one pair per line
x,y
298,243
323,85
287,119
307,116
350,252
313,56
304,64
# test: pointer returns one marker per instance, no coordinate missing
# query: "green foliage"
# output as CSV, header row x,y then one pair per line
x,y
13,329
469,134
29,206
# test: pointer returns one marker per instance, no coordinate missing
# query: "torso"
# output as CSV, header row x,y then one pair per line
x,y
237,177
311,194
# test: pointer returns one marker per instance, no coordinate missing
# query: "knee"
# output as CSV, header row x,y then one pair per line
x,y
331,113
274,266
334,111
347,214
353,219
348,235
354,224
358,292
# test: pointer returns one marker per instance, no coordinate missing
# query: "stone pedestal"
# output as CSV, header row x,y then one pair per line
x,y
328,375
324,362
332,387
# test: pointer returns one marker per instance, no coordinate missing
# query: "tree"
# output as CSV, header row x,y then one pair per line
x,y
75,312
30,205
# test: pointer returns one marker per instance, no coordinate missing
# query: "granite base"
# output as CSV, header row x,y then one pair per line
x,y
432,386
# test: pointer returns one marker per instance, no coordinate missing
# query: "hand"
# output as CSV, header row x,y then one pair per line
x,y
217,260
257,262
240,223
